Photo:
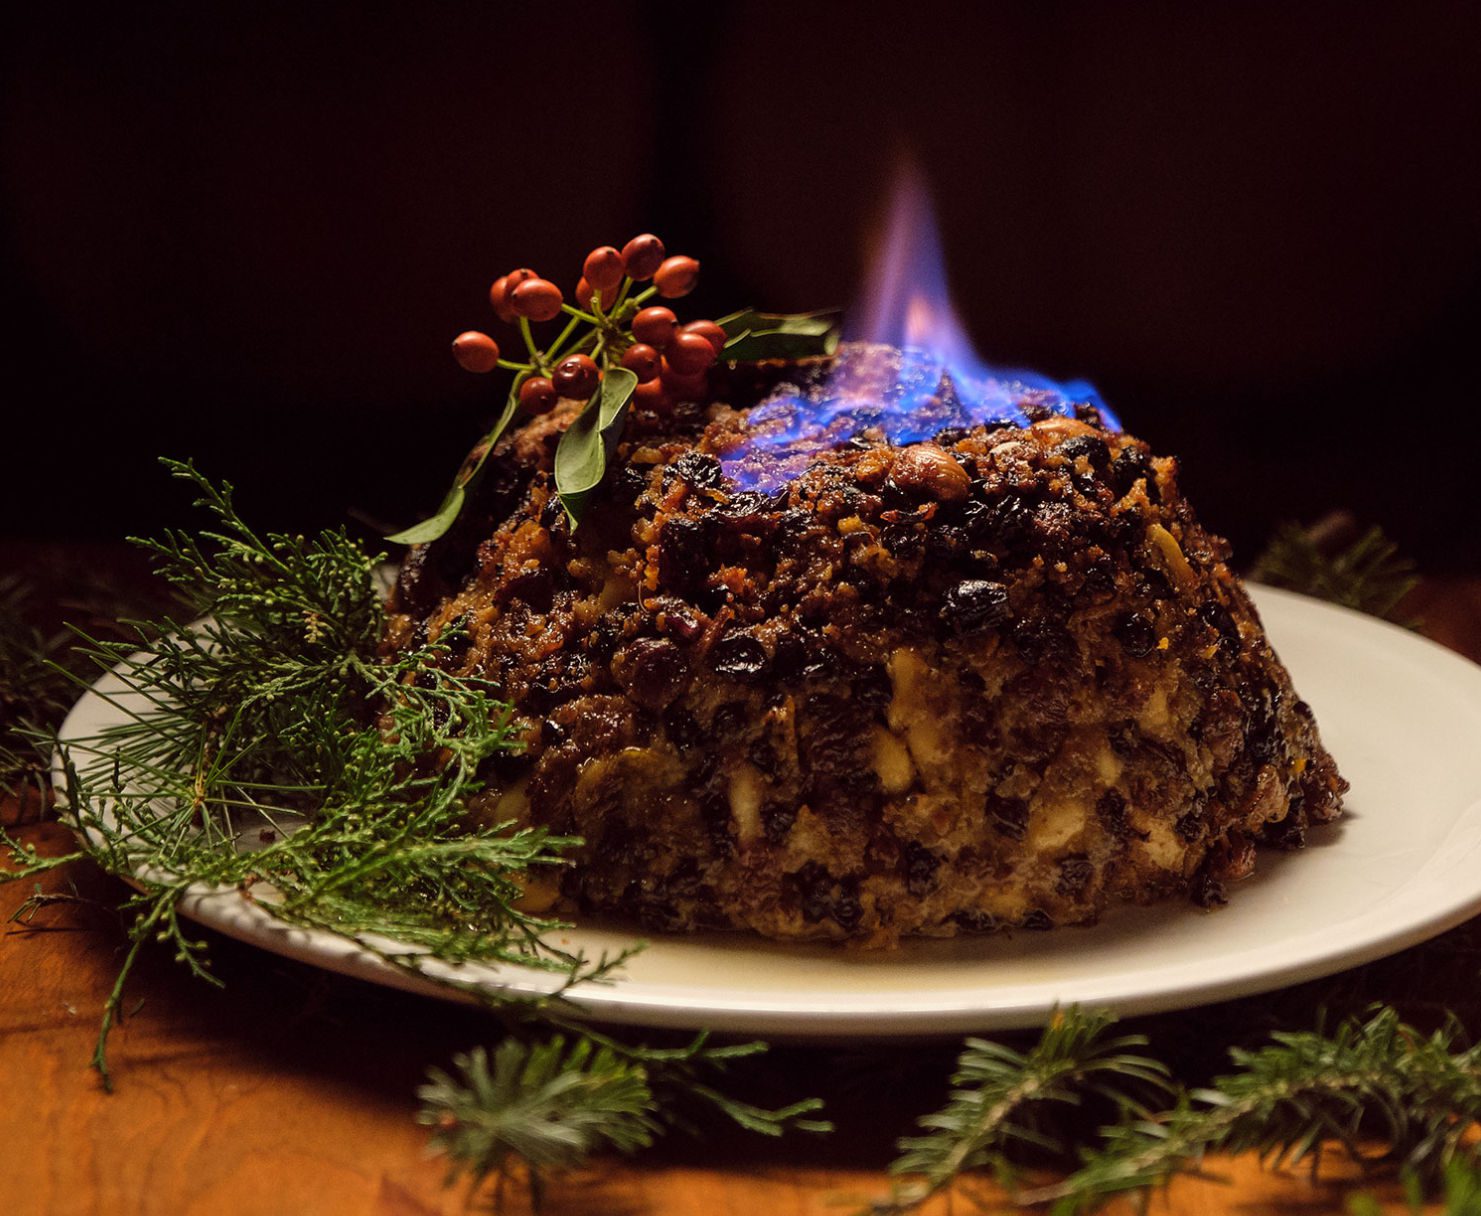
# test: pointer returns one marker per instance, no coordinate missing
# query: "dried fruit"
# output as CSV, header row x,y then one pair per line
x,y
476,352
976,604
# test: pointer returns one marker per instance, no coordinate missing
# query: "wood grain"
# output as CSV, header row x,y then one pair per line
x,y
292,1091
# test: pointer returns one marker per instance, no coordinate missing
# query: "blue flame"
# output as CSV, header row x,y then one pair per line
x,y
932,380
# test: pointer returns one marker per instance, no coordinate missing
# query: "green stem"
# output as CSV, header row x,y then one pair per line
x,y
142,932
510,365
535,356
555,347
572,311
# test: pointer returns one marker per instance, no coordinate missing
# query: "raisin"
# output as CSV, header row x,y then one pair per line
x,y
1207,891
789,656
777,821
683,554
1009,521
1008,816
1130,467
902,538
730,719
762,753
1092,447
1218,618
1038,920
874,687
945,542
533,587
974,605
746,506
1099,583
1111,809
1037,639
653,671
697,469
551,511
813,884
629,483
1136,635
715,811
1189,825
1075,873
920,866
1290,832
847,910
683,731
740,657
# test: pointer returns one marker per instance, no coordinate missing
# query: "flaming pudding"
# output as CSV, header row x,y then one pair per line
x,y
869,646
998,677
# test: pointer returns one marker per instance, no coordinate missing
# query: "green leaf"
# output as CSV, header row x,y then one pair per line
x,y
468,474
581,458
753,335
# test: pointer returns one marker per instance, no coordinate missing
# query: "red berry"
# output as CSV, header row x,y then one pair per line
x,y
583,293
689,354
503,288
476,352
652,394
536,395
710,331
576,376
655,326
499,298
641,256
642,360
603,270
537,299
677,277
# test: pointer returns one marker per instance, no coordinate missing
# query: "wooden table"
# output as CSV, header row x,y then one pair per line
x,y
292,1091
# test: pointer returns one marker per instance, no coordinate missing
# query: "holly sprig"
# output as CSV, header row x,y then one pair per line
x,y
616,349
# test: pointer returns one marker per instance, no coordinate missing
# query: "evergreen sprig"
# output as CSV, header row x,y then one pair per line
x,y
1005,1099
1367,575
270,749
1460,1193
552,1103
1305,1091
32,694
548,1104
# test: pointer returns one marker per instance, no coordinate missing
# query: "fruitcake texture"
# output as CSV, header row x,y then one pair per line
x,y
1001,678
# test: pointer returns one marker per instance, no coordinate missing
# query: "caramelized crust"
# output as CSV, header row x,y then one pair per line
x,y
999,679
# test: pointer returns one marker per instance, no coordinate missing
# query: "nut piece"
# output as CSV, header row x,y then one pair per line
x,y
931,472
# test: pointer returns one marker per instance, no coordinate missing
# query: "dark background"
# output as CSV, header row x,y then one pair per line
x,y
248,239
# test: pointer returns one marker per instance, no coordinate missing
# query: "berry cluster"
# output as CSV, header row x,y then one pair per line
x,y
610,325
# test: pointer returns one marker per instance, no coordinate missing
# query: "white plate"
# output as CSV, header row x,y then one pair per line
x,y
1401,714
